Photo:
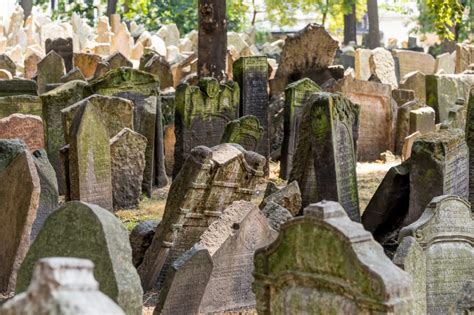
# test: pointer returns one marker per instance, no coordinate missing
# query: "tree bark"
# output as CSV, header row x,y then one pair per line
x,y
111,7
374,33
350,27
27,5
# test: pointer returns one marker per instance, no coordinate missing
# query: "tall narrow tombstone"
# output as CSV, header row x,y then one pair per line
x,y
50,70
210,180
324,263
160,179
28,128
20,87
202,112
89,159
439,166
251,73
470,143
324,164
361,63
63,47
245,131
19,199
168,106
212,42
22,104
296,96
87,231
445,232
402,96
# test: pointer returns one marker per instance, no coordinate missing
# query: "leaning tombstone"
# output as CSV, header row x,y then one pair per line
x,y
28,128
168,106
158,65
414,61
62,286
296,95
50,70
141,238
382,66
276,215
464,57
87,231
445,232
19,197
245,131
63,47
229,244
324,164
74,74
415,81
160,178
333,263
288,197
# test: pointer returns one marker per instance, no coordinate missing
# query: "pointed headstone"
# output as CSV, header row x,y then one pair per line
x,y
50,70
245,131
63,47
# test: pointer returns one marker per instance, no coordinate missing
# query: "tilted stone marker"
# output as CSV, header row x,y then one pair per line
x,y
74,74
28,128
382,66
127,153
288,197
87,231
324,163
324,263
63,47
402,96
464,57
62,286
19,199
361,63
245,131
118,60
141,238
230,243
50,70
296,95
470,143
441,94
159,66
415,81
198,195
445,232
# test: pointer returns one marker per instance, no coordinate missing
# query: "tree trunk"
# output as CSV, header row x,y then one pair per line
x,y
350,28
111,7
27,5
374,33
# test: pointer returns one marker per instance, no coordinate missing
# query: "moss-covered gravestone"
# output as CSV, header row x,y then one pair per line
x,y
23,104
296,95
87,231
118,60
90,174
441,94
445,232
50,70
324,163
245,131
323,263
202,112
470,143
158,65
18,87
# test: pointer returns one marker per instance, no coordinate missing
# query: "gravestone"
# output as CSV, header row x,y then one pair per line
x,y
288,197
50,70
465,302
168,106
408,144
445,232
403,123
401,96
63,47
415,81
422,120
22,104
296,95
117,60
160,178
202,112
53,102
251,73
74,74
228,244
63,286
276,215
382,66
18,87
89,159
210,180
441,94
7,64
464,57
470,143
87,231
324,263
439,166
31,64
127,154
159,66
28,128
324,164
446,63
414,61
212,39
19,200
361,63
87,63
245,131
141,238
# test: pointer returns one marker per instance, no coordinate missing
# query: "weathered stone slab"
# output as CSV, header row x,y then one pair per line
x,y
63,286
401,96
210,180
169,137
362,66
245,131
445,232
464,57
415,81
470,143
422,120
87,63
19,200
230,241
90,172
465,302
323,263
15,87
324,163
403,124
87,231
414,61
382,66
288,197
63,47
296,95
127,153
118,60
445,63
22,104
28,128
408,144
31,64
141,238
74,74
276,215
160,178
160,67
50,70
202,112
7,63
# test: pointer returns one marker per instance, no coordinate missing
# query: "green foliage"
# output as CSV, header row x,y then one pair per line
x,y
447,15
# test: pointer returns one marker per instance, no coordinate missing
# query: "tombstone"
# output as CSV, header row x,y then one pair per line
x,y
63,47
465,302
168,106
375,117
288,197
445,232
31,64
64,286
28,128
22,104
382,66
276,215
224,255
408,145
87,63
122,41
414,61
439,166
118,60
361,63
308,53
7,64
19,199
127,154
101,69
87,231
464,57
50,70
16,87
158,65
401,96
245,131
141,238
89,159
160,178
325,263
202,112
210,180
457,116
53,102
422,120
469,128
324,164
212,43
445,63
403,123
74,74
441,94
415,81
296,95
